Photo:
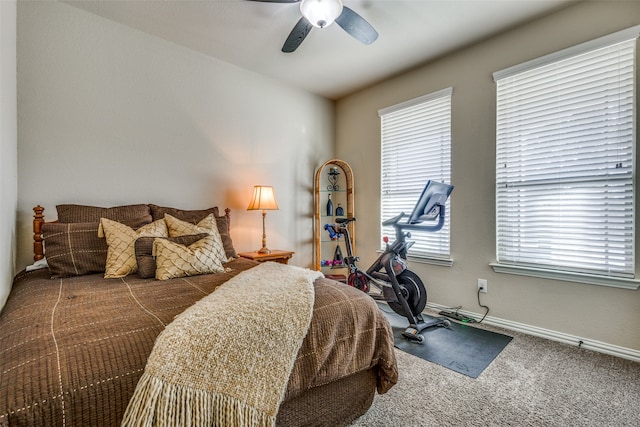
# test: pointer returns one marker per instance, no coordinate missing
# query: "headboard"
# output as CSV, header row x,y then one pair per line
x,y
38,222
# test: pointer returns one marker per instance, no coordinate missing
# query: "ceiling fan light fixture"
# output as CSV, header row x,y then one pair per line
x,y
321,13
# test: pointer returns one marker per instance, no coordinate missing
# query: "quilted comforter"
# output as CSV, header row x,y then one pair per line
x,y
72,350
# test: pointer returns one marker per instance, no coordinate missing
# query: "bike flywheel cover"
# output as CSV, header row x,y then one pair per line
x,y
413,291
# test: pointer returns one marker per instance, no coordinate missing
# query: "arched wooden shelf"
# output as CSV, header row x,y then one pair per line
x,y
325,247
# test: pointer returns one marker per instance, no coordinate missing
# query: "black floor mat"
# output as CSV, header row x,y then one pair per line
x,y
461,348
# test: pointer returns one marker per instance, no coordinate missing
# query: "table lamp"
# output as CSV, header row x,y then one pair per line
x,y
263,199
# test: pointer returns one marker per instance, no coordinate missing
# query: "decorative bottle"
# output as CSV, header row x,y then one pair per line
x,y
329,206
339,210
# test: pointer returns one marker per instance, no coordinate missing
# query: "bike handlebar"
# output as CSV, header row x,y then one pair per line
x,y
394,220
424,227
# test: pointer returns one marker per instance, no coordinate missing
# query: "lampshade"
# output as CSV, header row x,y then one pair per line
x,y
263,199
321,13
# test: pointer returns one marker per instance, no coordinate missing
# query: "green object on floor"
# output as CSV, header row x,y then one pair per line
x,y
462,348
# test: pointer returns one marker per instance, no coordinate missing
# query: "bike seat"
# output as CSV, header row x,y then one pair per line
x,y
345,220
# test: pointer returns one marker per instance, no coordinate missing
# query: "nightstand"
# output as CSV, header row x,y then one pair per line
x,y
276,255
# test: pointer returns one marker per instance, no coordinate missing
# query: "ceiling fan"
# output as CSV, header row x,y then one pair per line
x,y
321,14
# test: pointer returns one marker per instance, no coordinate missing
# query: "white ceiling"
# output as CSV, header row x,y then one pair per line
x,y
329,62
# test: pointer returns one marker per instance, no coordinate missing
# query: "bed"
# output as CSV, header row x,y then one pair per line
x,y
76,335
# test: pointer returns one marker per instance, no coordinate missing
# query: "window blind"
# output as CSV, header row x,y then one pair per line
x,y
416,147
565,163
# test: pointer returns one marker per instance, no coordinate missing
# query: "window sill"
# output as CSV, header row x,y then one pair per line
x,y
589,279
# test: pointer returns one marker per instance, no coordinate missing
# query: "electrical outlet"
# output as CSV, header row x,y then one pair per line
x,y
482,285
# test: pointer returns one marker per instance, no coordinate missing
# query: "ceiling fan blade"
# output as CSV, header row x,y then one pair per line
x,y
297,35
356,26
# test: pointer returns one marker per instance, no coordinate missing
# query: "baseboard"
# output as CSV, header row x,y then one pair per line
x,y
599,346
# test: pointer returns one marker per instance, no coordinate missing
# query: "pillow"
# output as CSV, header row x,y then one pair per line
x,y
223,228
144,252
207,225
128,214
194,217
174,260
121,256
74,249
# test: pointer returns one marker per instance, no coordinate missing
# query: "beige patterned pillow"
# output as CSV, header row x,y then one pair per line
x,y
195,216
207,225
144,252
175,260
121,239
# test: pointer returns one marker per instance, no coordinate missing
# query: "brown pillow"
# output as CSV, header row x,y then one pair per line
x,y
194,217
74,249
223,228
124,214
144,252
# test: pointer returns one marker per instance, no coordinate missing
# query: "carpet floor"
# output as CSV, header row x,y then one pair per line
x,y
532,382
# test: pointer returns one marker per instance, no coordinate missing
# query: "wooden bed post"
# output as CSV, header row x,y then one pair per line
x,y
38,220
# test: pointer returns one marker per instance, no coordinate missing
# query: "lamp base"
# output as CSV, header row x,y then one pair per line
x,y
264,250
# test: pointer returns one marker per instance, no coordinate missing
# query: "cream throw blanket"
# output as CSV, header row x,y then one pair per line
x,y
226,360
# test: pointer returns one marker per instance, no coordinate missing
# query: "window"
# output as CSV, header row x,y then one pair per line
x,y
565,143
416,148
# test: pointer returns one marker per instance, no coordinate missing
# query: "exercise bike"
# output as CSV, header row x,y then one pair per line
x,y
388,278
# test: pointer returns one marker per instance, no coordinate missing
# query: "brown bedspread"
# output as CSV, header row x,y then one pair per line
x,y
72,350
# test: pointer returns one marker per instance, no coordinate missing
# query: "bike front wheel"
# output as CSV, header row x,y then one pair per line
x,y
412,290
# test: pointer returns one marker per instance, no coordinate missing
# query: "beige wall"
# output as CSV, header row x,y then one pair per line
x,y
8,146
109,115
592,312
